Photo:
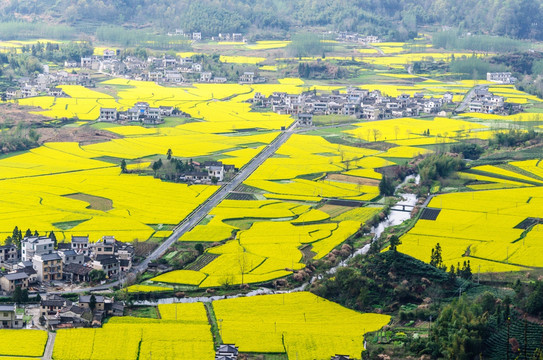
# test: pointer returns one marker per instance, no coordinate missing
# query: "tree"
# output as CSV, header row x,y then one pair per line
x,y
97,275
17,295
28,233
436,260
169,154
53,237
123,166
214,180
394,242
386,186
92,302
157,165
200,248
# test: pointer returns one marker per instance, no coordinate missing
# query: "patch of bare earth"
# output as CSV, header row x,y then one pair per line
x,y
353,179
84,135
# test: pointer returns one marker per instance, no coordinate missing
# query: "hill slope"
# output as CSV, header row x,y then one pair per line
x,y
516,18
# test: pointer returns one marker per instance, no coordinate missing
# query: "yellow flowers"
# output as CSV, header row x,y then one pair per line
x,y
22,342
242,59
484,227
186,335
303,325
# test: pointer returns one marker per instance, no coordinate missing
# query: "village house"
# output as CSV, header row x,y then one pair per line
x,y
53,304
196,36
305,120
71,257
80,244
501,78
108,114
8,253
76,273
12,93
10,318
48,267
109,264
227,352
36,245
10,282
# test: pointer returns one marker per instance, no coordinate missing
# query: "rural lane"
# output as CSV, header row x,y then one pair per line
x,y
48,352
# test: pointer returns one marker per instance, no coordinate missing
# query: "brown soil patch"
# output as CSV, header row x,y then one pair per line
x,y
83,135
353,179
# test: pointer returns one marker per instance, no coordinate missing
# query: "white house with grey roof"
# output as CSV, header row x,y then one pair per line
x,y
36,245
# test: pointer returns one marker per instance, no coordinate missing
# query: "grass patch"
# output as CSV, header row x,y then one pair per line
x,y
142,311
95,202
67,225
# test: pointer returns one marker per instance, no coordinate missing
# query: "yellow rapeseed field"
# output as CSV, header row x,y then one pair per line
x,y
303,325
22,342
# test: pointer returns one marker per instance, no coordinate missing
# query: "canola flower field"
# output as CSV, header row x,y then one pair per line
x,y
491,227
22,343
255,324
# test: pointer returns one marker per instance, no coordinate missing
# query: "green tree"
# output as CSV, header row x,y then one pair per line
x,y
123,166
53,237
200,248
17,295
169,154
97,275
28,233
436,259
394,242
92,302
386,186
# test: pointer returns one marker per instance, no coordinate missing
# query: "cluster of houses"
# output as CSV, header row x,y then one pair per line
x,y
58,312
204,173
197,36
505,78
39,262
357,38
141,112
360,103
47,84
483,101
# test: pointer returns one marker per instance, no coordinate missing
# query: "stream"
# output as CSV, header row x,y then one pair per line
x,y
394,218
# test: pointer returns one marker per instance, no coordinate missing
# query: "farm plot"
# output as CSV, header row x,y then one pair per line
x,y
482,227
131,338
18,343
267,244
302,325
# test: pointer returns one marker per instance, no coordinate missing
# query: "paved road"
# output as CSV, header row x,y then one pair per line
x,y
201,212
465,102
48,353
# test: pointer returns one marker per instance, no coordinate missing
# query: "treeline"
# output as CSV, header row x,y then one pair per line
x,y
134,37
59,52
453,40
398,19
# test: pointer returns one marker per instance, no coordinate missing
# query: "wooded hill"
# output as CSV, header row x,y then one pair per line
x,y
398,18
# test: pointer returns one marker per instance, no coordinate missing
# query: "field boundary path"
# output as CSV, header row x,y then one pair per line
x,y
48,352
203,210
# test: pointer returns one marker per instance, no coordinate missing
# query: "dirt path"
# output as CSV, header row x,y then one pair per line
x,y
48,353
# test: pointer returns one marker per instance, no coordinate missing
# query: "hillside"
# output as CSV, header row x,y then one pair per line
x,y
397,18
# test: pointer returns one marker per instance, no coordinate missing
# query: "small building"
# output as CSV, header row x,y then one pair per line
x,y
48,267
9,318
10,282
227,351
53,304
105,246
12,93
196,36
76,273
8,253
71,257
248,77
305,120
80,244
36,245
206,76
55,91
108,114
84,302
108,264
501,77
